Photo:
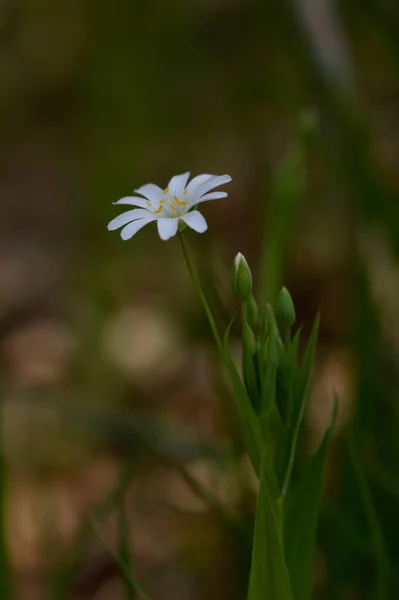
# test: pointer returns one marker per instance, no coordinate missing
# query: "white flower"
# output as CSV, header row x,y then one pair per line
x,y
169,207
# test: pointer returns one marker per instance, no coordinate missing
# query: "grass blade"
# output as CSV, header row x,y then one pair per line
x,y
250,424
125,568
377,539
63,582
301,522
298,401
285,196
269,577
124,549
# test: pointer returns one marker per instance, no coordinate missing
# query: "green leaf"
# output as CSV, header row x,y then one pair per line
x,y
125,569
299,391
249,370
268,397
288,186
305,370
286,378
62,583
301,522
269,579
376,532
269,361
124,550
250,424
290,370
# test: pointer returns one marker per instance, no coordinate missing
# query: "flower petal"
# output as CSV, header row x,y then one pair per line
x,y
151,191
196,221
127,217
210,183
212,196
178,183
196,182
167,227
133,201
132,228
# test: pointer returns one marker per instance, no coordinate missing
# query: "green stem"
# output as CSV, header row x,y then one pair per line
x,y
200,491
201,294
63,582
124,550
124,567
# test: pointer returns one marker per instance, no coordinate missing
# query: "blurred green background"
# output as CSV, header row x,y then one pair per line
x,y
105,355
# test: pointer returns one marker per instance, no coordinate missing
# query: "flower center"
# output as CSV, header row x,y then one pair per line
x,y
171,207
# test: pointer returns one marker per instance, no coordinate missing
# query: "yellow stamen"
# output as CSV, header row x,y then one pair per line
x,y
149,204
159,210
185,192
172,206
162,201
166,190
179,202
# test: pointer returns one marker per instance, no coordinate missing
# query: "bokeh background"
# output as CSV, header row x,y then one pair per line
x,y
112,396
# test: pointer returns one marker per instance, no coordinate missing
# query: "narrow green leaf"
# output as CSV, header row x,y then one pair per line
x,y
268,397
299,391
287,190
286,376
125,569
250,424
256,439
290,372
124,549
376,532
301,522
269,579
62,584
249,370
269,360
307,363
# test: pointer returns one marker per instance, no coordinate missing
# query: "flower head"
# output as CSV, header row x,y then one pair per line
x,y
169,207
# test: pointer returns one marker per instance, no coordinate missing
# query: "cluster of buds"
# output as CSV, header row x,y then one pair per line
x,y
243,288
265,344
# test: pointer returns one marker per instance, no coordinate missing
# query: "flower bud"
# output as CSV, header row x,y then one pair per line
x,y
249,339
285,311
268,321
241,278
251,311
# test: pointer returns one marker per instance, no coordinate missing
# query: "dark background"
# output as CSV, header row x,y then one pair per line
x,y
105,353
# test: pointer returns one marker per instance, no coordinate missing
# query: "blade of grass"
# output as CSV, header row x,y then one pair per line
x,y
250,424
380,551
301,523
200,491
63,582
269,576
124,549
287,190
299,400
126,571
